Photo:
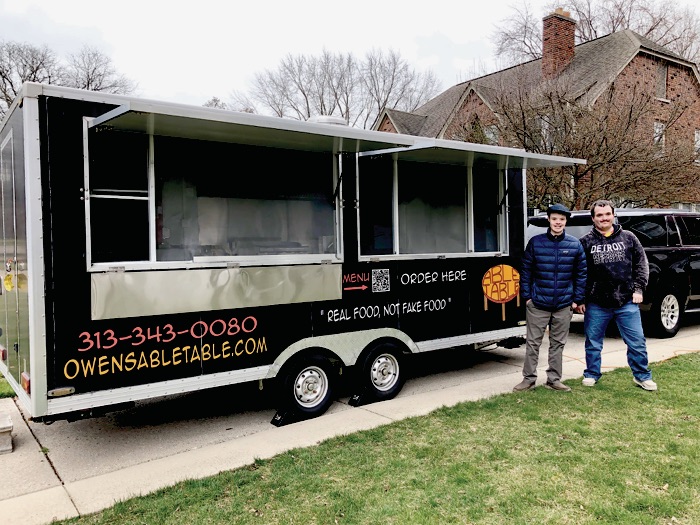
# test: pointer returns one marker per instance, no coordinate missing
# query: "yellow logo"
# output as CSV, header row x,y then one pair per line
x,y
500,284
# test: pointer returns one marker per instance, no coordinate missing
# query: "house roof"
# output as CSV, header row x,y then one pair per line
x,y
594,67
428,120
407,123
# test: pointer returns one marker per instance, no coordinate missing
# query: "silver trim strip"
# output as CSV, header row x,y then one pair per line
x,y
153,390
461,340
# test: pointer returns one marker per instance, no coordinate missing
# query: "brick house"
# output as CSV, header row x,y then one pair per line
x,y
468,111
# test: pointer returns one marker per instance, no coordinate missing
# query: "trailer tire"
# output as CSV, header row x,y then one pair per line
x,y
306,386
382,373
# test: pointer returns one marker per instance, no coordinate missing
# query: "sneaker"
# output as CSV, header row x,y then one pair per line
x,y
557,385
524,385
646,385
588,381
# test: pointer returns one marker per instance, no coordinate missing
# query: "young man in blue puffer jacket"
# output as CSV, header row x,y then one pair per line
x,y
552,284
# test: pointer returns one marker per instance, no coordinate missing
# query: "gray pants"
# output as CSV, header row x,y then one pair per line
x,y
537,322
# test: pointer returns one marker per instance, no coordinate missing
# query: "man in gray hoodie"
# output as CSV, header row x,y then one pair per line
x,y
618,273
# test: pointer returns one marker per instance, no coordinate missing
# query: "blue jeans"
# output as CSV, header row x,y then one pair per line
x,y
629,322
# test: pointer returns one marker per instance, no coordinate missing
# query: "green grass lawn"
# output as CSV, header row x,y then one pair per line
x,y
5,390
609,454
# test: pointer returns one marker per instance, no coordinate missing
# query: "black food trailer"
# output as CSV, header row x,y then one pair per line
x,y
154,248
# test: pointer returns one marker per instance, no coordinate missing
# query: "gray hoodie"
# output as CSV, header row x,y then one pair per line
x,y
617,267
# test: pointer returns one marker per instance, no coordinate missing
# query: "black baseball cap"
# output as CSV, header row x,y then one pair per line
x,y
558,208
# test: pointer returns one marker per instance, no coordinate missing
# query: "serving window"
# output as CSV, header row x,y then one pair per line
x,y
413,208
118,197
156,200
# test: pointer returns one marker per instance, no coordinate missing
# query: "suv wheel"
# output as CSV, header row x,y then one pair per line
x,y
665,315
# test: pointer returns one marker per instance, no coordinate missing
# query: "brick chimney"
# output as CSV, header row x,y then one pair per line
x,y
558,38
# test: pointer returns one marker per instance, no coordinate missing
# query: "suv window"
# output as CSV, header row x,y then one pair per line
x,y
690,230
650,230
577,225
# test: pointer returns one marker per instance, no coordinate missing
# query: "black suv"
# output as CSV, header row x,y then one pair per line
x,y
671,239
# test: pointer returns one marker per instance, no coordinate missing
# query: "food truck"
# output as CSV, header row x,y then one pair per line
x,y
153,248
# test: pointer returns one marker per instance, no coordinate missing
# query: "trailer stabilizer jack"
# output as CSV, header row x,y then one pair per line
x,y
359,400
512,342
285,417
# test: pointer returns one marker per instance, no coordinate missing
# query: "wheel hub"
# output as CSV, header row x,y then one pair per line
x,y
670,312
310,387
385,372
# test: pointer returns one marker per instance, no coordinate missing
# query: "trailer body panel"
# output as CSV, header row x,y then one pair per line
x,y
152,249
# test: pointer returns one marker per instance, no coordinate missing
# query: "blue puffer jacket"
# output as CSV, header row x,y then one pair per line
x,y
553,271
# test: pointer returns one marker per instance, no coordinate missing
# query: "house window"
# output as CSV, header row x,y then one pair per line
x,y
475,131
659,136
697,146
661,79
547,134
491,134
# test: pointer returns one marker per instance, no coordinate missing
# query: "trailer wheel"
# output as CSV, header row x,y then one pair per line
x,y
307,388
381,372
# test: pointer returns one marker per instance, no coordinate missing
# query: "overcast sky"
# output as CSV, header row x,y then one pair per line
x,y
190,51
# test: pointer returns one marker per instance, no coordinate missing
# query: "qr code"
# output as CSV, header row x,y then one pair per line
x,y
380,280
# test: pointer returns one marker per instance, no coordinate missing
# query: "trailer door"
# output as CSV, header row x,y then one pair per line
x,y
14,301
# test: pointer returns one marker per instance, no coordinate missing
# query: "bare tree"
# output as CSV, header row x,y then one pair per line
x,y
390,82
300,87
216,102
337,84
626,161
91,69
519,36
20,63
240,101
88,69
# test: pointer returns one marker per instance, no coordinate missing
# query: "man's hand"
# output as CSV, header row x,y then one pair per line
x,y
580,309
637,298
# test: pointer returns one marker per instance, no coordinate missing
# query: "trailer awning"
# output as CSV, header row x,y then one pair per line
x,y
240,128
175,120
436,151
